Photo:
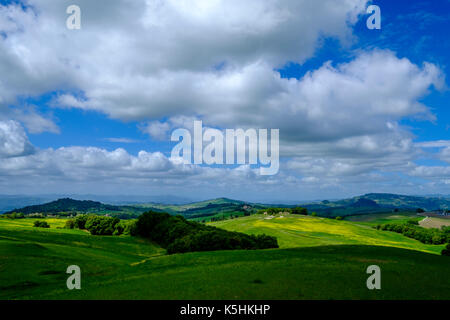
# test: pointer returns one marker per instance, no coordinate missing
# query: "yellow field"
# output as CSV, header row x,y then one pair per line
x,y
305,231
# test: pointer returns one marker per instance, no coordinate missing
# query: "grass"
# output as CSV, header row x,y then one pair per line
x,y
305,231
318,259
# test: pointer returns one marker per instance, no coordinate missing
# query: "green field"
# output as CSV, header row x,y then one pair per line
x,y
318,259
305,231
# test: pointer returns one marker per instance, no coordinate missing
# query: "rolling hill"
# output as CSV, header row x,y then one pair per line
x,y
69,206
217,209
210,209
304,231
313,263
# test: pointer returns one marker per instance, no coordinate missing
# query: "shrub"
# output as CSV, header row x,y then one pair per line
x,y
41,224
413,222
314,214
338,218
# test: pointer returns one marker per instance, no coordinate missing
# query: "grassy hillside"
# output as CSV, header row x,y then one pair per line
x,y
33,263
305,231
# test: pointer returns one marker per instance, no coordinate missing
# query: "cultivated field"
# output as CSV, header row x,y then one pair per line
x,y
432,222
305,231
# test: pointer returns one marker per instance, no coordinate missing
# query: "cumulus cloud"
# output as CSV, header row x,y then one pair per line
x,y
135,45
121,140
166,63
13,140
34,121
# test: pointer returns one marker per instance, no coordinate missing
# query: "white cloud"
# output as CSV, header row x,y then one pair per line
x,y
121,140
34,121
135,44
166,63
157,130
13,140
445,154
437,172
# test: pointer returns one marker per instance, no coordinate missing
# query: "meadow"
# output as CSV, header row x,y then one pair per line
x,y
318,259
306,231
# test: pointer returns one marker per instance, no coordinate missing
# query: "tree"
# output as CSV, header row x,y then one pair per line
x,y
80,221
420,210
299,210
70,224
98,225
41,224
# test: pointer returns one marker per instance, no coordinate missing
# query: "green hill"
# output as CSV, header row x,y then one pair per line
x,y
34,262
66,205
305,231
69,206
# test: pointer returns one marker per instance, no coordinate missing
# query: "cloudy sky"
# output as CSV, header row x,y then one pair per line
x,y
92,110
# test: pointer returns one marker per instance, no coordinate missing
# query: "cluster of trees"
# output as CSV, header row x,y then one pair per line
x,y
178,235
41,224
13,215
100,225
296,210
446,251
412,230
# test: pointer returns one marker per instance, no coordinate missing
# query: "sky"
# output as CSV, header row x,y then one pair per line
x,y
91,110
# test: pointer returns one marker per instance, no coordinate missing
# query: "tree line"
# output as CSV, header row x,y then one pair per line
x,y
412,230
178,235
101,225
174,233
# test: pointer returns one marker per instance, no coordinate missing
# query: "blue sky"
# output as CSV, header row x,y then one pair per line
x,y
101,102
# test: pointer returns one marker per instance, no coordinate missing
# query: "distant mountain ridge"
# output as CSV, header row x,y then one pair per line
x,y
66,204
223,207
377,202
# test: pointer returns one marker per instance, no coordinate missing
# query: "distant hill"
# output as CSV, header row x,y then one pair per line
x,y
210,209
222,207
9,202
217,209
376,203
67,206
